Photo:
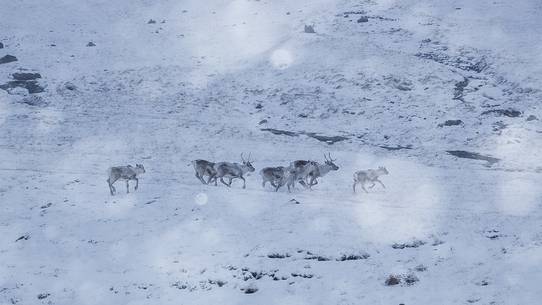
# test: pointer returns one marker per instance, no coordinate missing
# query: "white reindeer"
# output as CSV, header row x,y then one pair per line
x,y
306,172
124,173
370,175
204,168
233,170
277,176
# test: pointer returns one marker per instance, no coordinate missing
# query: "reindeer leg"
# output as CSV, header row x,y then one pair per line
x,y
200,178
380,183
363,187
244,182
212,178
354,186
230,181
224,182
110,187
127,187
372,185
137,184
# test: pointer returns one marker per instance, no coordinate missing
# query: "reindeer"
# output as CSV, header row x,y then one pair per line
x,y
204,168
370,175
124,173
233,170
277,176
320,170
306,172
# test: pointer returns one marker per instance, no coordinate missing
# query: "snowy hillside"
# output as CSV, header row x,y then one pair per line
x,y
445,94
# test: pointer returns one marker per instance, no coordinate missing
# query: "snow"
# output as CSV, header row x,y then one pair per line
x,y
200,82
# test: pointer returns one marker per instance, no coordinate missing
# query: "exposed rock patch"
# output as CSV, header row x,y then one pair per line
x,y
511,113
472,155
451,123
7,59
32,86
26,76
309,29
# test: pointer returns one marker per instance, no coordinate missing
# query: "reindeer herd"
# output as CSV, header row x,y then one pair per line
x,y
304,172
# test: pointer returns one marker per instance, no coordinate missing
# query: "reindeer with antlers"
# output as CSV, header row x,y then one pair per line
x,y
306,172
232,170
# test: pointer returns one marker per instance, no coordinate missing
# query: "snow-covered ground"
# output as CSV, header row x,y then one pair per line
x,y
394,83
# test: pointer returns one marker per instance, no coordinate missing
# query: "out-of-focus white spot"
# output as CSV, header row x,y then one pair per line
x,y
518,197
281,59
201,199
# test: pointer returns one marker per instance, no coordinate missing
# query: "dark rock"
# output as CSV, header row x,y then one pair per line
x,y
399,147
278,255
70,86
151,21
42,296
392,280
26,76
450,123
414,244
7,59
250,289
91,44
511,113
317,257
280,132
294,201
363,19
353,257
1,45
31,86
472,155
531,118
259,106
327,139
309,29
262,122
23,237
459,89
411,279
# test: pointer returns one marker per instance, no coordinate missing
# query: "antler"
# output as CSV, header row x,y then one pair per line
x,y
243,159
249,155
325,157
331,159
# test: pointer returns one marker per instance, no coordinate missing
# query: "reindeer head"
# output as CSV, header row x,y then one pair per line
x,y
247,163
140,168
329,162
383,170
